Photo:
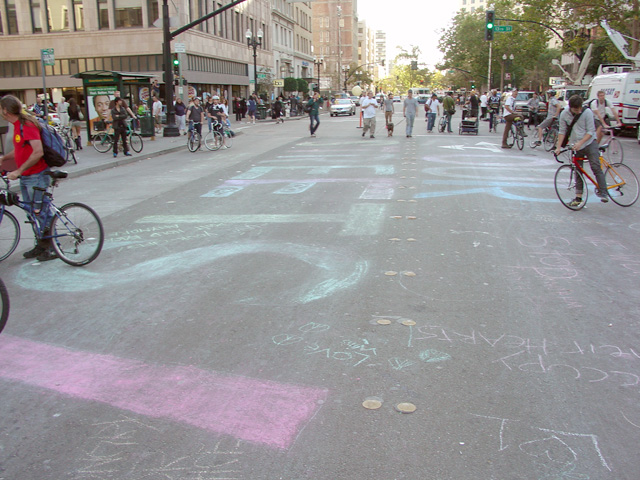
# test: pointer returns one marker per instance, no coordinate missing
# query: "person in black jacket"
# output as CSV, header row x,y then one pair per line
x,y
119,115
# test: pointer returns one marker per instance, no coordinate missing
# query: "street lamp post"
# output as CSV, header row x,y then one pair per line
x,y
345,70
318,62
254,42
504,60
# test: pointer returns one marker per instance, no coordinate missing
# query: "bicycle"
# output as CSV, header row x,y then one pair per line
x,y
516,134
220,135
613,146
194,140
75,229
493,120
69,143
4,305
622,184
550,136
103,141
442,124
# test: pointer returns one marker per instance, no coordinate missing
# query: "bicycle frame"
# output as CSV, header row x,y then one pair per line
x,y
604,164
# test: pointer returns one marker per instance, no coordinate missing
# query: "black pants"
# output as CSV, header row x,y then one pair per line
x,y
117,133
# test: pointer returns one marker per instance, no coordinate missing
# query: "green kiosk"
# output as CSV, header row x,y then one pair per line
x,y
101,87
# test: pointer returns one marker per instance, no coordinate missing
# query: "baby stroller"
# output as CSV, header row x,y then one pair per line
x,y
469,124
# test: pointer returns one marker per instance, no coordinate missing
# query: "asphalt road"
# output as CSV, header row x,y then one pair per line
x,y
330,308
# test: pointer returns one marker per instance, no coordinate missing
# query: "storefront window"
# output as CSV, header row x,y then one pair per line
x,y
36,21
58,15
78,15
103,15
12,17
128,13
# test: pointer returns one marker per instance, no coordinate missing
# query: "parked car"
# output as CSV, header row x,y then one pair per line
x,y
522,108
355,100
343,106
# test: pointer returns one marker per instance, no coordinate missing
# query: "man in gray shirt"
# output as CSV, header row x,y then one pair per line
x,y
582,140
388,108
409,110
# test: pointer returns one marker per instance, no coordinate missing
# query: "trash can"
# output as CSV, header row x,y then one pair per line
x,y
262,112
147,127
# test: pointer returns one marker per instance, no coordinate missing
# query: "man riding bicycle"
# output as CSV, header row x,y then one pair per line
x,y
494,108
552,113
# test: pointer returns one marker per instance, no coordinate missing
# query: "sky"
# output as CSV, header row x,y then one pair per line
x,y
410,22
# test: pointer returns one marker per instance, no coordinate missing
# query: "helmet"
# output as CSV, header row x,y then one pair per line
x,y
552,93
216,97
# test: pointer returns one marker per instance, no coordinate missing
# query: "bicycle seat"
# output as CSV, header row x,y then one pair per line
x,y
602,148
57,174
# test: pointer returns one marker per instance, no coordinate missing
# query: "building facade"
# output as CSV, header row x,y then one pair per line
x,y
126,36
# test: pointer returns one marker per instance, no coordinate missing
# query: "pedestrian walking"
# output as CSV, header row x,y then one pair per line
x,y
484,103
409,110
76,120
314,105
252,106
432,107
63,112
180,110
156,110
387,104
369,107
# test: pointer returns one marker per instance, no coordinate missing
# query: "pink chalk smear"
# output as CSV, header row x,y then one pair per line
x,y
246,408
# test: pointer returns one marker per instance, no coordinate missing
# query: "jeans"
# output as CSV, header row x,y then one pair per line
x,y
593,154
313,127
448,116
431,121
36,199
411,118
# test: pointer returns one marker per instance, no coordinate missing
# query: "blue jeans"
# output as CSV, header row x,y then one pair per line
x,y
312,127
36,199
411,117
431,121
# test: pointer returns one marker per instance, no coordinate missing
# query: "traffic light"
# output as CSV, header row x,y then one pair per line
x,y
473,85
489,24
414,65
176,65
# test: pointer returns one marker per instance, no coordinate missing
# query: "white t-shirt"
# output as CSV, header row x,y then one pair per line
x,y
157,108
369,106
483,101
433,104
510,102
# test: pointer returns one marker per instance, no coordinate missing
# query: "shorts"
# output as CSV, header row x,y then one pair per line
x,y
546,123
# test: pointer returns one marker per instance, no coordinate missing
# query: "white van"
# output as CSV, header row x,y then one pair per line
x,y
623,92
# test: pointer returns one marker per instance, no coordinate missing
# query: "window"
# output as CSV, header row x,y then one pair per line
x,y
58,15
78,15
103,15
128,13
36,21
12,17
153,11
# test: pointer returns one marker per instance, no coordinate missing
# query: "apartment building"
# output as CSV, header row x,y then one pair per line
x,y
126,36
335,39
472,5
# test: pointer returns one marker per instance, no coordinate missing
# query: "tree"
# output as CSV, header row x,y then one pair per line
x,y
290,84
303,86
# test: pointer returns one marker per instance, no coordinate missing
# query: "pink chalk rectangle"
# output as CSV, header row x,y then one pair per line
x,y
254,410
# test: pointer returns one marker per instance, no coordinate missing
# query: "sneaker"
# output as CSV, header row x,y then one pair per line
x,y
604,197
506,146
371,136
115,155
363,134
313,135
34,252
127,154
576,202
47,255
538,142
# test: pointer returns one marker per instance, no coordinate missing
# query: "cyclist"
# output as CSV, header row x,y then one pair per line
x,y
510,110
599,107
196,114
553,111
31,168
494,107
577,124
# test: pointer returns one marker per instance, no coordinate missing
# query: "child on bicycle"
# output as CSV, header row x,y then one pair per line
x,y
30,169
577,124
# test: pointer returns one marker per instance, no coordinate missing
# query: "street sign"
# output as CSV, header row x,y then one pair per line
x,y
48,57
503,28
180,48
278,82
262,75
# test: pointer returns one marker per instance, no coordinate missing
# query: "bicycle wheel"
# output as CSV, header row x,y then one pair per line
x,y
511,137
550,139
135,142
622,184
565,182
213,141
442,125
69,149
193,143
102,142
77,234
520,138
228,139
9,234
4,305
614,153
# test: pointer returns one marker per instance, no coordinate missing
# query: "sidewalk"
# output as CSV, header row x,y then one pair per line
x,y
91,161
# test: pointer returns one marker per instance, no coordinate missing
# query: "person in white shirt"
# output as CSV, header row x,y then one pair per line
x,y
510,114
156,111
369,107
432,107
600,107
63,112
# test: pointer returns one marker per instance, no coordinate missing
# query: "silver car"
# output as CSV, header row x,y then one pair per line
x,y
343,106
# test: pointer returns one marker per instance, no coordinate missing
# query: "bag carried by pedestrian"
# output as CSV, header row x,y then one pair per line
x,y
54,151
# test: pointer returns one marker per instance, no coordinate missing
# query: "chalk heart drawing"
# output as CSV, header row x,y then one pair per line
x,y
334,271
250,409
